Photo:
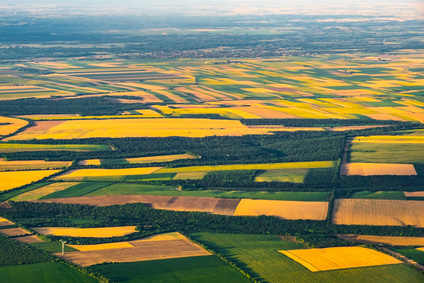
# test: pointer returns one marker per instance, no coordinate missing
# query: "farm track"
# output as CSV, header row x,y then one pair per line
x,y
404,258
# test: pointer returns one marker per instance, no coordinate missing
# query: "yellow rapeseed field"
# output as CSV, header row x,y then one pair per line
x,y
14,179
108,246
160,158
390,139
292,210
82,173
339,258
266,166
120,128
11,125
104,232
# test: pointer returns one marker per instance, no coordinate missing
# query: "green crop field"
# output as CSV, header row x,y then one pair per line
x,y
42,272
387,153
258,255
52,247
191,269
411,253
78,190
10,194
283,175
137,189
379,195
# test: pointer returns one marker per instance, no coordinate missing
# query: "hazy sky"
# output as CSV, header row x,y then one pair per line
x,y
228,7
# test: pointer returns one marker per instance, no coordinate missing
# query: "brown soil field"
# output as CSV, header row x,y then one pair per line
x,y
387,240
377,169
378,212
201,204
14,232
5,222
414,194
142,251
28,239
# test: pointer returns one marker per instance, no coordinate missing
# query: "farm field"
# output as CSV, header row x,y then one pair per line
x,y
87,232
10,125
43,272
32,165
133,189
379,195
43,191
119,128
107,174
174,246
416,255
364,152
378,212
377,169
266,166
238,207
389,240
287,172
14,179
188,269
258,254
339,258
19,147
284,209
137,160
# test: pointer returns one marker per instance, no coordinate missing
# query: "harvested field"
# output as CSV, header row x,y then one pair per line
x,y
15,179
291,210
5,222
32,164
140,250
202,204
10,232
339,258
28,239
414,194
378,212
104,232
77,175
386,240
43,191
377,169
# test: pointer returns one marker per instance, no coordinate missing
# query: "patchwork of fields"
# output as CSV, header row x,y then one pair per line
x,y
146,131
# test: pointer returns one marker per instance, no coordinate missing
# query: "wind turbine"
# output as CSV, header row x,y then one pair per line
x,y
63,246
